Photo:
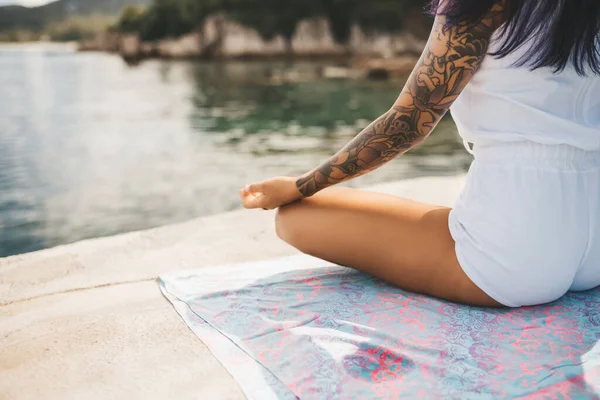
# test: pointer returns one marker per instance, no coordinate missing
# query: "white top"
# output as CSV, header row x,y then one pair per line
x,y
505,103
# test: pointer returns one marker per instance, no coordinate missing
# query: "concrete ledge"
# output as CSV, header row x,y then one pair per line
x,y
87,320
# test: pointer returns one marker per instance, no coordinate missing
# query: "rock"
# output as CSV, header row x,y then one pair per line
x,y
104,41
187,46
333,72
225,38
129,47
229,39
313,38
148,50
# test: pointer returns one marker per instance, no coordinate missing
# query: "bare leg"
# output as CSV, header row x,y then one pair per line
x,y
403,242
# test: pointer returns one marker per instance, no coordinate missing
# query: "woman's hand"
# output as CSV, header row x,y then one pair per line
x,y
271,193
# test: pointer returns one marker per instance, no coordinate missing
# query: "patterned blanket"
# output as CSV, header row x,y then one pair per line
x,y
301,328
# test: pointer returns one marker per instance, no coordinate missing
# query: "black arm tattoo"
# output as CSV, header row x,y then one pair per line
x,y
452,55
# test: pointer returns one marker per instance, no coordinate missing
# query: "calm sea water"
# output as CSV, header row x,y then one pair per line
x,y
90,146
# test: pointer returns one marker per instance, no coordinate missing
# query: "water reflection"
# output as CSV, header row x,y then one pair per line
x,y
91,147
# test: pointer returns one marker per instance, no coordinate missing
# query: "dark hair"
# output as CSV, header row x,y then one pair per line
x,y
564,31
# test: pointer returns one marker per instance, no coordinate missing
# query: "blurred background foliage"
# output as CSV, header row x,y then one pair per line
x,y
66,20
172,18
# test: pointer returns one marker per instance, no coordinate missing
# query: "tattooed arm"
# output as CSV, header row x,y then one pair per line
x,y
452,55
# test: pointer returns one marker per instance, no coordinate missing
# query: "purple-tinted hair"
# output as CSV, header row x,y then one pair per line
x,y
564,31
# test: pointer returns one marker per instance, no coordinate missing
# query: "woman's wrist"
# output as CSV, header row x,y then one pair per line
x,y
306,184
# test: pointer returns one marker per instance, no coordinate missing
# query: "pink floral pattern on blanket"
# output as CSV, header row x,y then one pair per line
x,y
329,333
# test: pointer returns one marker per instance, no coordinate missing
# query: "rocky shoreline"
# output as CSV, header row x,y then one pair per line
x,y
377,55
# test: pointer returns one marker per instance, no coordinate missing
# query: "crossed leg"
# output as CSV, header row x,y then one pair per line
x,y
403,242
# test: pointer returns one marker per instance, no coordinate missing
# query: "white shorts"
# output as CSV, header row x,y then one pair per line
x,y
527,225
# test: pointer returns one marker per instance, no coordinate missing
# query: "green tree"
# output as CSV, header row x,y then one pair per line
x,y
387,15
341,15
77,28
371,15
198,10
166,18
172,18
131,19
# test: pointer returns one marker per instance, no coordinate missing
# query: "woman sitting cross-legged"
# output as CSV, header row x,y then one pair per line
x,y
522,79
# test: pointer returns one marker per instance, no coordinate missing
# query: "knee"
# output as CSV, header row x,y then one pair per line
x,y
286,222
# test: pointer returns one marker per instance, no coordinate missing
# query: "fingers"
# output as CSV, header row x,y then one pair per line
x,y
253,201
255,188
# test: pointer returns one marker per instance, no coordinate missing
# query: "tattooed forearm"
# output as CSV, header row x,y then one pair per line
x,y
452,55
385,138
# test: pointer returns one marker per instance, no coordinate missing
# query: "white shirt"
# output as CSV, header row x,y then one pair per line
x,y
506,103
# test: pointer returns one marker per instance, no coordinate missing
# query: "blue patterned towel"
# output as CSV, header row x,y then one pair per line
x,y
301,328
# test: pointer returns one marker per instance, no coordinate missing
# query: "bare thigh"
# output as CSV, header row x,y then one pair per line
x,y
403,242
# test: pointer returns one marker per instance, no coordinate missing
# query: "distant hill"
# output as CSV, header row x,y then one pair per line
x,y
35,18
